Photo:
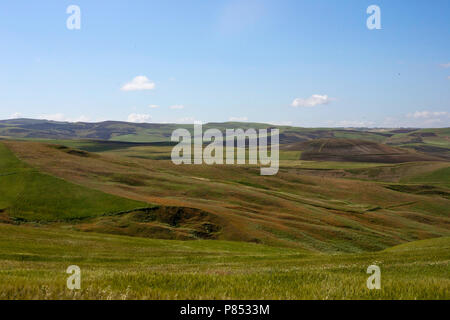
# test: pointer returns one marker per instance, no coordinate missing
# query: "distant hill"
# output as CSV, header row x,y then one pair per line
x,y
434,142
107,130
354,150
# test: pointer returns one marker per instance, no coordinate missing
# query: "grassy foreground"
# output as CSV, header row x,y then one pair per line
x,y
33,262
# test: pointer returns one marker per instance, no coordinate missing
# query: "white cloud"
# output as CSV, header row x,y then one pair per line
x,y
185,120
433,122
238,119
153,106
177,106
314,100
281,123
426,114
139,83
352,123
82,119
15,115
445,65
138,118
53,117
420,119
62,118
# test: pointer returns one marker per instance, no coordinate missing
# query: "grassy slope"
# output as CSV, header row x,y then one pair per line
x,y
305,205
33,263
28,194
440,176
300,207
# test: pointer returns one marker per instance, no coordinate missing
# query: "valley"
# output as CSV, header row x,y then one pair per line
x,y
341,200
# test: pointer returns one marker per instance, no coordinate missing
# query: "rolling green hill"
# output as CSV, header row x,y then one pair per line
x,y
27,194
317,206
118,210
108,198
434,142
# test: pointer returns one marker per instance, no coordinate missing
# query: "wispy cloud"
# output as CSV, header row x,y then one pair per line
x,y
352,123
186,120
53,117
426,114
314,100
139,83
63,118
420,119
281,123
445,65
177,107
15,115
138,118
239,119
153,106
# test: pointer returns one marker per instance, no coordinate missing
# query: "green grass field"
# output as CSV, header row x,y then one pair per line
x,y
29,195
34,260
308,233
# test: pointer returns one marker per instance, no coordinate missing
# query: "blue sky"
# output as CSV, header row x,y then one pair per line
x,y
305,63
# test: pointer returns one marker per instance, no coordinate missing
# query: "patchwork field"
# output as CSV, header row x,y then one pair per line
x,y
141,227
